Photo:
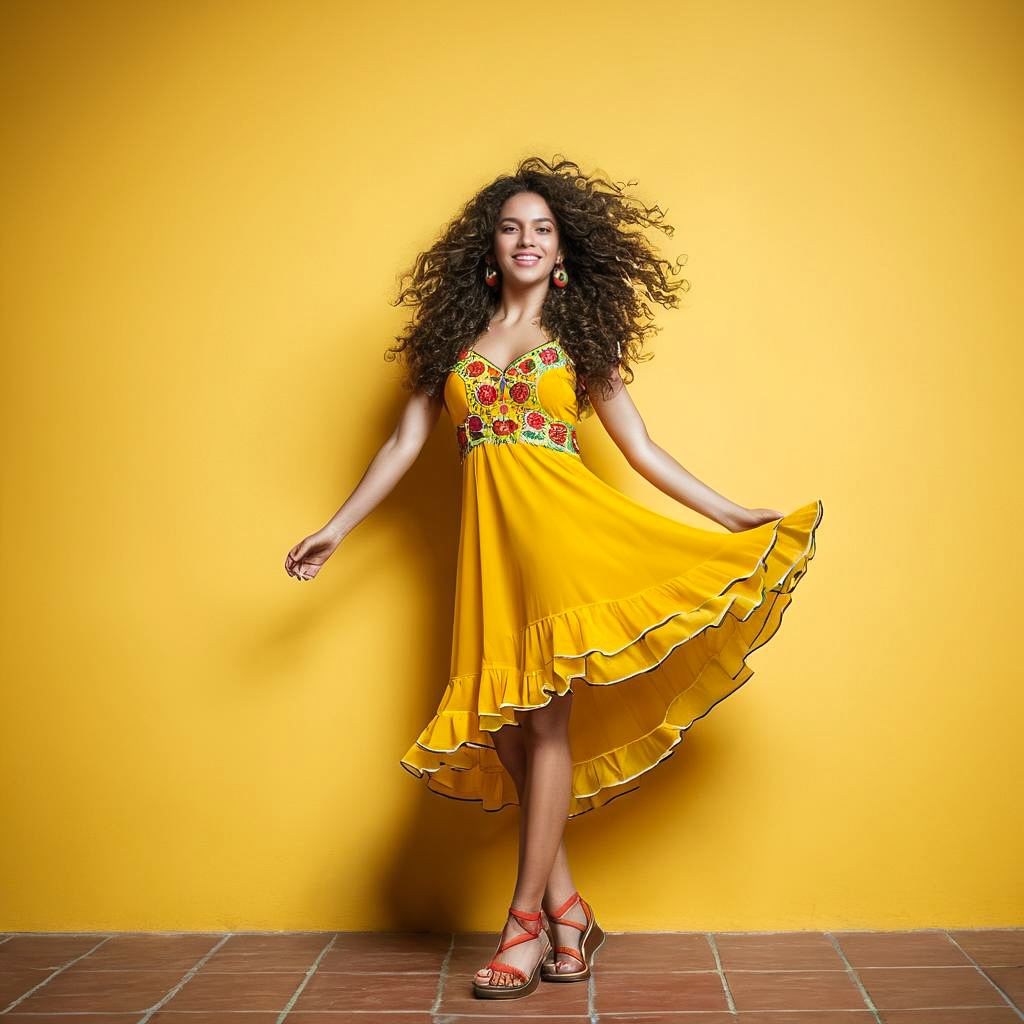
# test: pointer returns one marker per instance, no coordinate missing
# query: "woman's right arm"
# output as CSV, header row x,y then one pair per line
x,y
398,452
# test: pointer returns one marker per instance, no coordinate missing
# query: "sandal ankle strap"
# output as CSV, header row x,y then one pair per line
x,y
527,918
556,915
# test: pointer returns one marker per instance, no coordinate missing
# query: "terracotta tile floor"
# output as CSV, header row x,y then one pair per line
x,y
917,977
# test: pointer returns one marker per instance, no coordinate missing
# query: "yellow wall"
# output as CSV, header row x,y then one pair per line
x,y
206,207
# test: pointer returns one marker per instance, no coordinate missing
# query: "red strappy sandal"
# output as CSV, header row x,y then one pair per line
x,y
589,943
533,924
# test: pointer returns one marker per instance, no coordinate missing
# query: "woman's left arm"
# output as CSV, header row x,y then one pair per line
x,y
626,427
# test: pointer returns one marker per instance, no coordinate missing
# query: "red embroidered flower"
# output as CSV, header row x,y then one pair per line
x,y
557,433
476,367
474,423
535,420
525,365
503,428
548,355
462,355
487,394
574,441
503,408
519,392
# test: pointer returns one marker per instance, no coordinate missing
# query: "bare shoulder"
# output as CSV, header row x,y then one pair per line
x,y
617,412
421,402
603,387
419,413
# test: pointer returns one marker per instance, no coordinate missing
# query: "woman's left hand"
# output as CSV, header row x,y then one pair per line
x,y
748,518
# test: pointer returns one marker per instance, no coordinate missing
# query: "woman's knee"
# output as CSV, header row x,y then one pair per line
x,y
549,724
510,744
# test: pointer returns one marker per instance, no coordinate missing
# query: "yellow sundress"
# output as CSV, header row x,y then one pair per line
x,y
565,583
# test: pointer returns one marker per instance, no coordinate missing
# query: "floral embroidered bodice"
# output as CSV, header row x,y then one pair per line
x,y
505,407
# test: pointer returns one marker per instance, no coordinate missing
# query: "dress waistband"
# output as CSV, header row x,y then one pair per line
x,y
535,428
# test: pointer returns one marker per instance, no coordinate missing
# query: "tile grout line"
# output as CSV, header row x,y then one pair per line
x,y
591,991
709,936
982,972
868,1001
188,976
52,975
442,979
305,981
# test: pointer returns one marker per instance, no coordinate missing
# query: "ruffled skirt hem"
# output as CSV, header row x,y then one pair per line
x,y
608,643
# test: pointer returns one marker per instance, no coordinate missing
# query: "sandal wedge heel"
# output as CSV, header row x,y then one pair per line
x,y
590,941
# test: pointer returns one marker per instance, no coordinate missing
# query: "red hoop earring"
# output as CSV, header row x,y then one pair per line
x,y
559,276
491,276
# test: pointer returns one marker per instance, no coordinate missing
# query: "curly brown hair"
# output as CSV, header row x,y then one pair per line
x,y
601,319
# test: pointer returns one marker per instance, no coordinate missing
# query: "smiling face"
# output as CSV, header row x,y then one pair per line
x,y
526,244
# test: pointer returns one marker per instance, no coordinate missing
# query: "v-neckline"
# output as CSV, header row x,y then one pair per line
x,y
518,359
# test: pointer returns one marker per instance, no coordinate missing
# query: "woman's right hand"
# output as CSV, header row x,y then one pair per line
x,y
304,560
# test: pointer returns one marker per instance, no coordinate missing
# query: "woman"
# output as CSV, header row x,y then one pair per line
x,y
529,308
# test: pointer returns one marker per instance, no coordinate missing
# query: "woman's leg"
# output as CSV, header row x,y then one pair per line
x,y
537,757
511,749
